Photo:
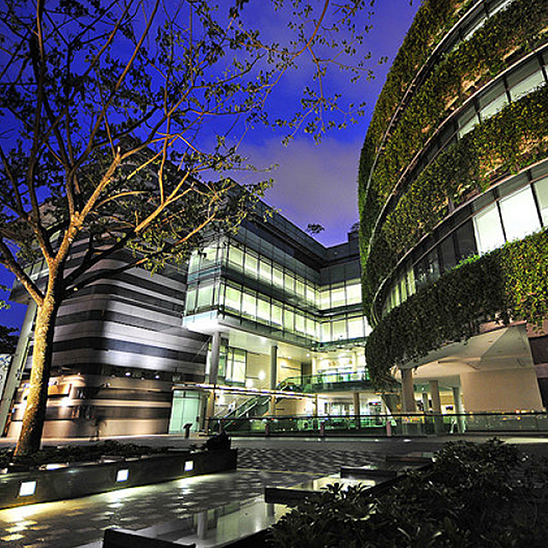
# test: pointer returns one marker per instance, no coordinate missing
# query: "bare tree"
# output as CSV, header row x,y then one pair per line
x,y
119,120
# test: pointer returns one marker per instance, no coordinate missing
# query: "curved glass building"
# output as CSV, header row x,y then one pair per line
x,y
453,192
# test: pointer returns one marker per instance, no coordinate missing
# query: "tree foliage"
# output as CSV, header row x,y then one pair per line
x,y
122,119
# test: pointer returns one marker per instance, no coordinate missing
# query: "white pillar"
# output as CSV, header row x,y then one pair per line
x,y
213,374
408,395
436,405
457,399
17,364
214,357
425,402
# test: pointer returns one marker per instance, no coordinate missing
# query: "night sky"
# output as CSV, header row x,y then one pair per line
x,y
313,183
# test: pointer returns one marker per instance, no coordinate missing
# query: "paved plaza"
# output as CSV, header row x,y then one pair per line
x,y
261,462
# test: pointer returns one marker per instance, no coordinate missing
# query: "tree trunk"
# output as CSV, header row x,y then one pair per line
x,y
33,420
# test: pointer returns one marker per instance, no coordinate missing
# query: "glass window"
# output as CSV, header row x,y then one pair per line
x,y
205,296
411,281
276,314
236,257
194,263
232,298
190,301
310,294
339,330
488,229
433,266
278,278
289,283
326,332
519,214
311,328
299,323
525,79
403,289
289,320
249,304
493,101
447,254
324,299
251,265
355,328
263,310
541,190
466,241
265,271
209,256
467,120
299,288
354,293
337,297
237,365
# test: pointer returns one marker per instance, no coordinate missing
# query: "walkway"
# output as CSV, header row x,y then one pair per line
x,y
261,462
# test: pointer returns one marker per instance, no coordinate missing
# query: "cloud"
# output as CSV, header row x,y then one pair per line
x,y
312,183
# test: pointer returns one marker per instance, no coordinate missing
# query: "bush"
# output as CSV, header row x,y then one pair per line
x,y
474,496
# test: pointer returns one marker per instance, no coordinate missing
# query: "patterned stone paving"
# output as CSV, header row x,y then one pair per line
x,y
71,523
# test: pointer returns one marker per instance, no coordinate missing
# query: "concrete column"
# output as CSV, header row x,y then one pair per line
x,y
316,405
425,402
435,391
273,367
436,406
457,399
213,374
17,365
214,357
408,395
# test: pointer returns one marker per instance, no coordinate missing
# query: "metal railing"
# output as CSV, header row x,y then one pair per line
x,y
417,424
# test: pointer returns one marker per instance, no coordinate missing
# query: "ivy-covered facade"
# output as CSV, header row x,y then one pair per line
x,y
453,190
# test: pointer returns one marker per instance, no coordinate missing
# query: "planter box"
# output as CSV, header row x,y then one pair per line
x,y
77,480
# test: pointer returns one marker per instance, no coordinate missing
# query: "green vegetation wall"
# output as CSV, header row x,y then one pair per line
x,y
510,283
502,40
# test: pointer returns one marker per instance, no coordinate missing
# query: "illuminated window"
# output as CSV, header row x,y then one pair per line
x,y
355,328
251,265
236,258
519,214
493,101
289,320
205,296
263,310
249,305
278,278
541,190
299,323
232,298
488,229
289,283
190,304
354,293
339,330
525,80
326,332
299,288
337,297
276,315
265,271
325,301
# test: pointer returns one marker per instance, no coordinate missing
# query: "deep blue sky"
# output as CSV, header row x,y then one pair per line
x,y
314,183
